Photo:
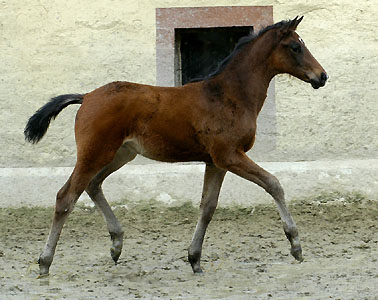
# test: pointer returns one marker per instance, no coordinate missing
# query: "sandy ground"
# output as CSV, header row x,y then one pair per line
x,y
245,256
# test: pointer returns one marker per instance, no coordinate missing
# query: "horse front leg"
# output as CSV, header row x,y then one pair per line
x,y
240,164
212,184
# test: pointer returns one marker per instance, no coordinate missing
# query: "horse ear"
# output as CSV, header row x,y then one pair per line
x,y
294,23
290,26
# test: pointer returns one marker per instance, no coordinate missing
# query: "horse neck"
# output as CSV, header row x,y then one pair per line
x,y
248,75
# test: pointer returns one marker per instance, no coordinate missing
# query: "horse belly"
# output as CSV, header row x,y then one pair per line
x,y
157,147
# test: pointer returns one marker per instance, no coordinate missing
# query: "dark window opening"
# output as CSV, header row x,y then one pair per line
x,y
198,51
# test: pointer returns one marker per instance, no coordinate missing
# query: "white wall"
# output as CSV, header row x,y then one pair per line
x,y
51,47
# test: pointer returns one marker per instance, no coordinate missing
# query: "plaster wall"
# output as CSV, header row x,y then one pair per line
x,y
55,47
50,47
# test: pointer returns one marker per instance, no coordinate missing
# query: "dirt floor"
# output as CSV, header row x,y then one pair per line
x,y
245,255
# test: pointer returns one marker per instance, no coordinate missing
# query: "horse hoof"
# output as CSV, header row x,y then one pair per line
x,y
115,255
297,253
196,268
194,260
197,271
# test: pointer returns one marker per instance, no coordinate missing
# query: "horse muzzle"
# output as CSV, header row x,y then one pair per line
x,y
317,82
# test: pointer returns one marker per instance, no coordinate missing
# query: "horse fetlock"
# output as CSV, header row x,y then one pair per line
x,y
116,235
44,265
291,232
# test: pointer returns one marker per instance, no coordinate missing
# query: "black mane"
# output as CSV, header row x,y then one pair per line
x,y
239,46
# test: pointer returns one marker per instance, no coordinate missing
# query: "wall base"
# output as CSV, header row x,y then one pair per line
x,y
179,183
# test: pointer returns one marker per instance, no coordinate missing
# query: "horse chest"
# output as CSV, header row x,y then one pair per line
x,y
238,131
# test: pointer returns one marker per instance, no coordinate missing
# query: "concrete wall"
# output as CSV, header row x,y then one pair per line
x,y
50,47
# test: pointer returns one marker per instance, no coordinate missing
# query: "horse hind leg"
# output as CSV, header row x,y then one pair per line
x,y
65,202
94,190
66,199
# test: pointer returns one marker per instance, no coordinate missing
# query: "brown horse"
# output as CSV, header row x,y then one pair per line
x,y
211,120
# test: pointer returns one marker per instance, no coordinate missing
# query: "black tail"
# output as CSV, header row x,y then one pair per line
x,y
39,122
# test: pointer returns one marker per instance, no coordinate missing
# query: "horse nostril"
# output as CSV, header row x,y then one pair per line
x,y
323,77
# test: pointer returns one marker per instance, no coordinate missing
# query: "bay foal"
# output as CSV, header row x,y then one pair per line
x,y
212,120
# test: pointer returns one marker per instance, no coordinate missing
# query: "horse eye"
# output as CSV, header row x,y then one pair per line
x,y
295,47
